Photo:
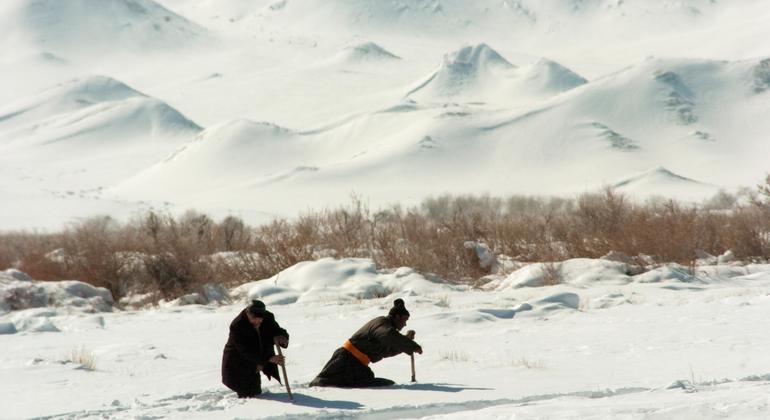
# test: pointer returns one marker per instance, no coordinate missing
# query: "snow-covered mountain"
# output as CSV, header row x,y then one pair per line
x,y
391,100
82,28
96,130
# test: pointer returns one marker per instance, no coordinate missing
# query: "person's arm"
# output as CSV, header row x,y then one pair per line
x,y
399,343
279,335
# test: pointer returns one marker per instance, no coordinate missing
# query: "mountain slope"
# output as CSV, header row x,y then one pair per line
x,y
85,28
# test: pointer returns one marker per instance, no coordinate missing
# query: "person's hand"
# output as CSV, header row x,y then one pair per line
x,y
278,360
281,341
410,334
259,368
418,350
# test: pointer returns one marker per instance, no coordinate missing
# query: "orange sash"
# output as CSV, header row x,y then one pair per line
x,y
358,354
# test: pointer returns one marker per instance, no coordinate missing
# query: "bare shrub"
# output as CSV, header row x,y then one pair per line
x,y
83,357
528,363
454,356
175,256
282,244
551,274
232,234
93,252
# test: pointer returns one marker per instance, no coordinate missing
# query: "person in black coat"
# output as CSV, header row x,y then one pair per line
x,y
377,339
249,350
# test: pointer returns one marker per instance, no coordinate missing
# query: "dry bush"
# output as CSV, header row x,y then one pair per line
x,y
551,274
454,356
748,233
345,231
232,234
528,363
33,253
174,256
280,245
83,357
94,252
9,250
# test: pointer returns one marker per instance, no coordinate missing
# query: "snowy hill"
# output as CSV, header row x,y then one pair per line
x,y
85,27
392,100
221,157
662,182
68,96
98,108
96,130
364,53
479,74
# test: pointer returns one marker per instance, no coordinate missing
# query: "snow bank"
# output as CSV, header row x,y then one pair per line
x,y
210,293
331,280
578,271
585,272
30,305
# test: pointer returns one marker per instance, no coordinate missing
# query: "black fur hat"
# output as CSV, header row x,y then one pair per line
x,y
398,308
257,308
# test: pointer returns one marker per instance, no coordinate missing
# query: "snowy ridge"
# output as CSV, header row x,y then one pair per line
x,y
467,72
480,74
223,155
364,53
135,25
663,182
68,96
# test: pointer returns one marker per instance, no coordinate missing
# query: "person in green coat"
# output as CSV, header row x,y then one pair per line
x,y
377,339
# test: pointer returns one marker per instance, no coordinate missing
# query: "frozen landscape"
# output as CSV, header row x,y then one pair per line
x,y
263,109
604,344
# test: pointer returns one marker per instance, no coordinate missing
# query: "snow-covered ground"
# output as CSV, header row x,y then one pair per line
x,y
604,344
269,107
264,108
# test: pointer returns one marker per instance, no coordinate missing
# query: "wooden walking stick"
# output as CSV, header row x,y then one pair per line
x,y
412,357
413,378
285,378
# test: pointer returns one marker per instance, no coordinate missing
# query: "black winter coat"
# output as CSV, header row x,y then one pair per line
x,y
248,347
379,338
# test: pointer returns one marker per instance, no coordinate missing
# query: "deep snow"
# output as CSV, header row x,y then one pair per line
x,y
605,344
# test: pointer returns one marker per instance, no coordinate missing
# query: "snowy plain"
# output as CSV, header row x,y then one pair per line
x,y
605,344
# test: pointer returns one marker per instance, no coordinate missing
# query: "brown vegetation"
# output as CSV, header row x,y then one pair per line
x,y
173,256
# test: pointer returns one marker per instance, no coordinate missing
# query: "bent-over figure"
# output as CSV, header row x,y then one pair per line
x,y
377,339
